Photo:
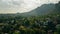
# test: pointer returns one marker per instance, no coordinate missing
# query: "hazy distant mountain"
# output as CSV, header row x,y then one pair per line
x,y
42,10
58,6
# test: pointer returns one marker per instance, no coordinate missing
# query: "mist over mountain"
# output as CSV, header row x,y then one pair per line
x,y
42,10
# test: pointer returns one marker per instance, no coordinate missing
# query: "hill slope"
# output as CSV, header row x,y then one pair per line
x,y
42,10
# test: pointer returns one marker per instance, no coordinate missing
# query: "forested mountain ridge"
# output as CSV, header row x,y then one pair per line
x,y
44,10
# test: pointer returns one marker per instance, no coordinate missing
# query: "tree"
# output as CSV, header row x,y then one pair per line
x,y
58,28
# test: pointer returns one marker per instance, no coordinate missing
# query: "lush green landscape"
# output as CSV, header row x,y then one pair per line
x,y
30,25
41,24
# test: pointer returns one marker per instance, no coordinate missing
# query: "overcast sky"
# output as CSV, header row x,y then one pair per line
x,y
14,6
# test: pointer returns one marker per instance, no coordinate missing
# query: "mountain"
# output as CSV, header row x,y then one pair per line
x,y
42,10
45,9
58,7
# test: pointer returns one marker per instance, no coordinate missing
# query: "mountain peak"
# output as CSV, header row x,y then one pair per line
x,y
42,10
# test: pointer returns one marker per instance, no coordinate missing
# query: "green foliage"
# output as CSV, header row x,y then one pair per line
x,y
30,25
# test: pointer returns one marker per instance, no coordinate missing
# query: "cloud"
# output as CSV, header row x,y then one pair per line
x,y
9,3
13,6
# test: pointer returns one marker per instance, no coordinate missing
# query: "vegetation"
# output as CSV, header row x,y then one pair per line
x,y
48,24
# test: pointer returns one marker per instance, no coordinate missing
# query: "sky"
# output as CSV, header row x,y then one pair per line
x,y
21,6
